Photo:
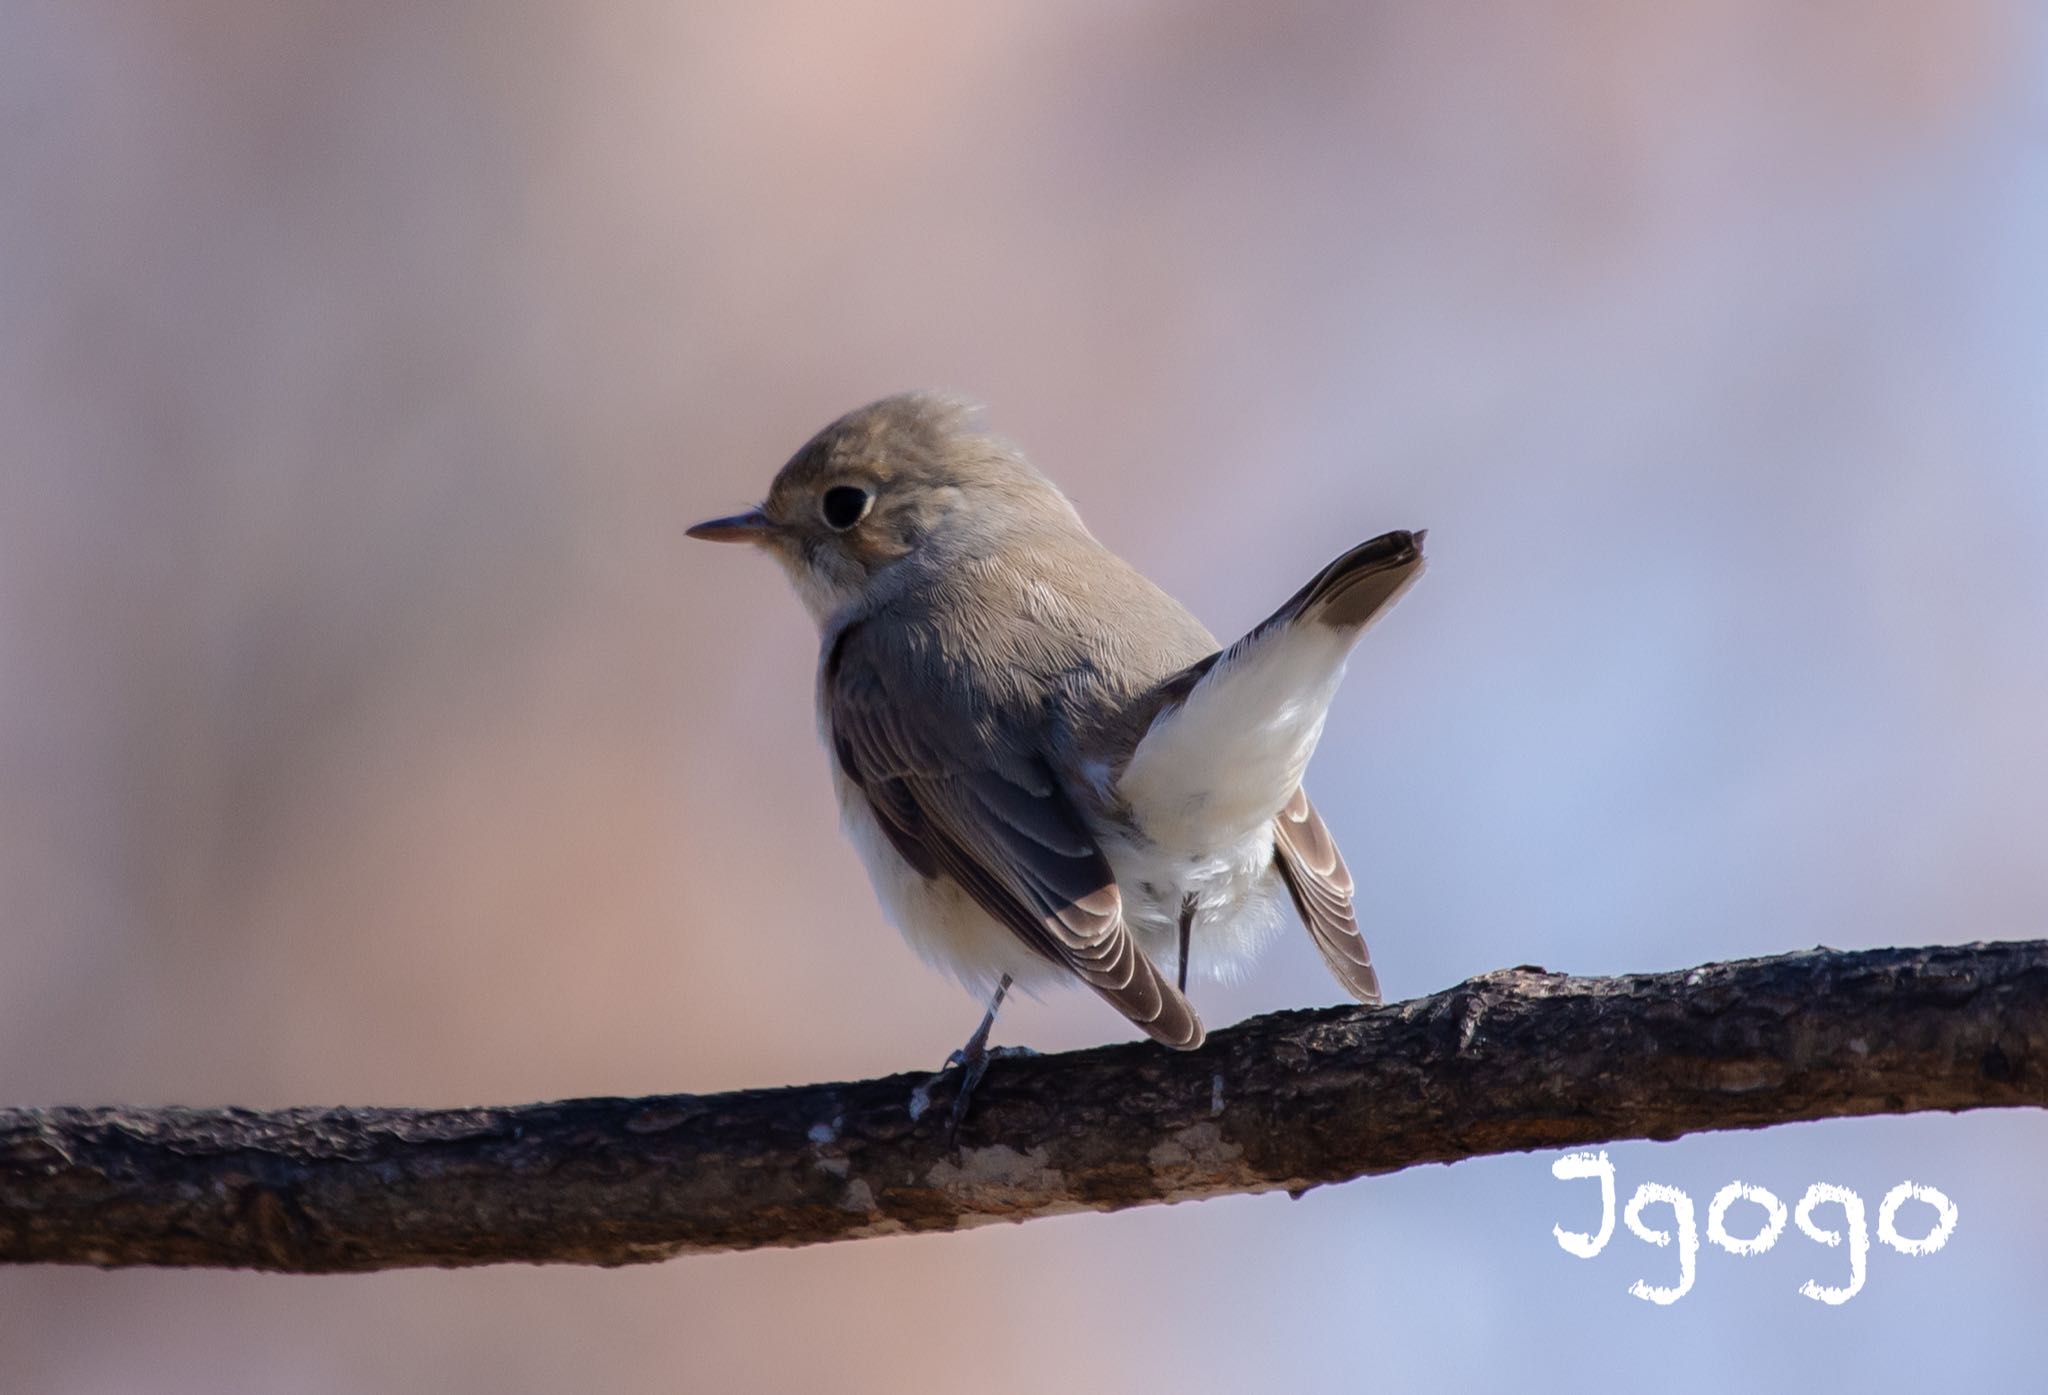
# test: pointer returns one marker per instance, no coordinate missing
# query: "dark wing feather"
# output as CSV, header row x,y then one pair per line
x,y
989,814
1321,885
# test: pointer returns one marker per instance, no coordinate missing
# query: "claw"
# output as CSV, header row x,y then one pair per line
x,y
971,1072
972,1061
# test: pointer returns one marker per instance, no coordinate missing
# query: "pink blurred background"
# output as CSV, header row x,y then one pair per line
x,y
370,734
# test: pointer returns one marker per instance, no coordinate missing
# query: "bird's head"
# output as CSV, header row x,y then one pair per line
x,y
904,477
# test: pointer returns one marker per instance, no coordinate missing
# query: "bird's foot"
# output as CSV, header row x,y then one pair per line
x,y
972,1062
988,1053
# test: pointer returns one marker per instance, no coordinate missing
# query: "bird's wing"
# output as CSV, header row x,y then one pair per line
x,y
1321,885
961,795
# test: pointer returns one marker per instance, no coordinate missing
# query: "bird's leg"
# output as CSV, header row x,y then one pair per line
x,y
1187,927
977,1045
973,1060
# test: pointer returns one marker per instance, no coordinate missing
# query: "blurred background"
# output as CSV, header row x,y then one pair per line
x,y
369,733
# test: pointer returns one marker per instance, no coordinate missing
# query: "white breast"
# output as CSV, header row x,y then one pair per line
x,y
937,919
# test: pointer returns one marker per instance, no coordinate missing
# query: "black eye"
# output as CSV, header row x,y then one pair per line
x,y
845,505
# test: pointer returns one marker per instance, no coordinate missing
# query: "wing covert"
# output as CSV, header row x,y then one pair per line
x,y
966,798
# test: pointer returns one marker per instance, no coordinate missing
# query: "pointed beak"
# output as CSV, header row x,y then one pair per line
x,y
753,526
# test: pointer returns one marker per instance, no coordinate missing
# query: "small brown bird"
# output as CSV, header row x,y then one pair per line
x,y
1051,770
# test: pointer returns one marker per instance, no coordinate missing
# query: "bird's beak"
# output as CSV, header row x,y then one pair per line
x,y
753,526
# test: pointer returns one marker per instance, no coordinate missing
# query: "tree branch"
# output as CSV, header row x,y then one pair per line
x,y
1515,1060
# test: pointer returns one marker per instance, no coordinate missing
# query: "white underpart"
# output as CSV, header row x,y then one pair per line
x,y
826,594
1220,766
937,918
1239,902
1205,784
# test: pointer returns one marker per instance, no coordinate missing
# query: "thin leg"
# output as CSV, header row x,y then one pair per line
x,y
973,1060
1187,927
977,1045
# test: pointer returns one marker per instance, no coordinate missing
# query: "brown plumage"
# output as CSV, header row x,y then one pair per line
x,y
1321,887
997,824
1051,770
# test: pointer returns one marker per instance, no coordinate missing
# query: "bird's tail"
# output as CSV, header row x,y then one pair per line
x,y
1351,592
1234,732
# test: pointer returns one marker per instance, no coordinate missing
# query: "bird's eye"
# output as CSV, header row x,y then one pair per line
x,y
845,505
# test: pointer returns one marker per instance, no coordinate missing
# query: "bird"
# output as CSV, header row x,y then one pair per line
x,y
1052,772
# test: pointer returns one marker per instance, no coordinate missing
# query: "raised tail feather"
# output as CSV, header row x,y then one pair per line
x,y
1226,751
1356,587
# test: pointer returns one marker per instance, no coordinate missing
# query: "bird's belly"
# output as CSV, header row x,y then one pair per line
x,y
938,920
1237,898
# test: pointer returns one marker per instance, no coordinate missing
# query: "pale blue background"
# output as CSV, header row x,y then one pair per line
x,y
369,733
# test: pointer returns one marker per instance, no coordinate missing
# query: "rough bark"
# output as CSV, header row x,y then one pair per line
x,y
1515,1060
